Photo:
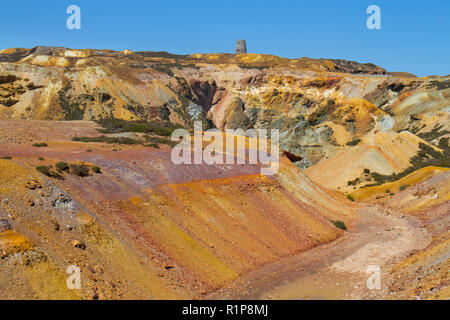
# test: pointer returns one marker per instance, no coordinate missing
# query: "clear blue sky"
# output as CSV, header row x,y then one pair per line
x,y
415,35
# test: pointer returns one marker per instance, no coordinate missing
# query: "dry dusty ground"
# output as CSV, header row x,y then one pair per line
x,y
338,270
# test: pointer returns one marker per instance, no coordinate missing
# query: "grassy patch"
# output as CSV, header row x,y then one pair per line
x,y
353,182
353,142
80,170
40,145
63,166
6,158
159,128
434,133
149,141
49,172
349,197
426,157
339,224
110,140
96,169
160,140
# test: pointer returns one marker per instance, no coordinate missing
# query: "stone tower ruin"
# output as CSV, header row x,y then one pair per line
x,y
241,47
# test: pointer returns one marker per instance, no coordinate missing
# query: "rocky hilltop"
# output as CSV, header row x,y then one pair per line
x,y
319,105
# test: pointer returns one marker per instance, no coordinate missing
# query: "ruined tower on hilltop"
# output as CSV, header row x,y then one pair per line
x,y
241,47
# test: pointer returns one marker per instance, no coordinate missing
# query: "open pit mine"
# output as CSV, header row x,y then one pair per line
x,y
88,187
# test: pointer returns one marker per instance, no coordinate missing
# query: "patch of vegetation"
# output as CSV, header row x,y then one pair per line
x,y
80,170
159,128
443,143
47,171
367,171
63,166
353,142
6,158
156,140
403,187
40,145
339,224
96,169
426,157
349,197
71,109
41,159
149,141
434,133
110,140
246,66
353,182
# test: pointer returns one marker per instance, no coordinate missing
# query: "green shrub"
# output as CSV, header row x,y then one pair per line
x,y
340,225
153,145
6,158
109,140
159,140
160,128
353,142
63,166
138,127
39,145
41,159
80,170
47,171
367,171
403,187
349,197
443,143
96,169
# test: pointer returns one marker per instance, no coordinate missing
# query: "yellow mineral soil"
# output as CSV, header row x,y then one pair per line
x,y
12,242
